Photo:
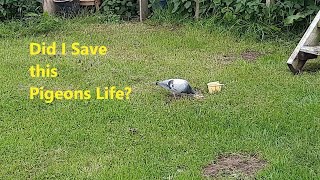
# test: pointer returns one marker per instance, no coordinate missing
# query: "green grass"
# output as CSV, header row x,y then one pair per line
x,y
263,108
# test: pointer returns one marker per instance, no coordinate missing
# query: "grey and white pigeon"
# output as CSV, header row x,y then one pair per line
x,y
176,86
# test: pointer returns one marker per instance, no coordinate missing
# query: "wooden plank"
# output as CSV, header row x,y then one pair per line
x,y
269,2
143,8
311,50
197,10
310,38
49,6
87,3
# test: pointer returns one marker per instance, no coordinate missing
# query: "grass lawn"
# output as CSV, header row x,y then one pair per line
x,y
263,108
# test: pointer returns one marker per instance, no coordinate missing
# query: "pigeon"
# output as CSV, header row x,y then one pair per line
x,y
176,86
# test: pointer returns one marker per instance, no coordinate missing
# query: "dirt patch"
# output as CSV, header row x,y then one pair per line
x,y
172,97
235,165
227,58
251,55
133,131
197,96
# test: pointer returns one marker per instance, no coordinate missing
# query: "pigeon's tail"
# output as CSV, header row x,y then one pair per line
x,y
192,91
189,90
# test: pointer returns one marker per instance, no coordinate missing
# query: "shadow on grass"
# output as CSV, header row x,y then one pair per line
x,y
312,66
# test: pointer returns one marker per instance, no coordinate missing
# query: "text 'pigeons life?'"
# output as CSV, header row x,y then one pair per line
x,y
52,50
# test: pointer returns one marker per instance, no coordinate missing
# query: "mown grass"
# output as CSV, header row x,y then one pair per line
x,y
263,108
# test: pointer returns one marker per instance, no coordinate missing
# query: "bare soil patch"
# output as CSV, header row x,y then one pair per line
x,y
251,55
172,97
227,58
197,96
235,165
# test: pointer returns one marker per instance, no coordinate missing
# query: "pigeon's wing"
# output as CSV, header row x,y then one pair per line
x,y
182,86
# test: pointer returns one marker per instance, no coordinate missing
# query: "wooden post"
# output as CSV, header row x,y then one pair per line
x,y
269,2
49,6
197,10
143,8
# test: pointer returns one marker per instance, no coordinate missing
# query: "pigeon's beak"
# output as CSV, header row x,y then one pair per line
x,y
157,82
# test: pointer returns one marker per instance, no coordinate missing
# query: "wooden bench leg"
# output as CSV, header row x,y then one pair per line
x,y
97,5
310,38
49,6
303,58
300,65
